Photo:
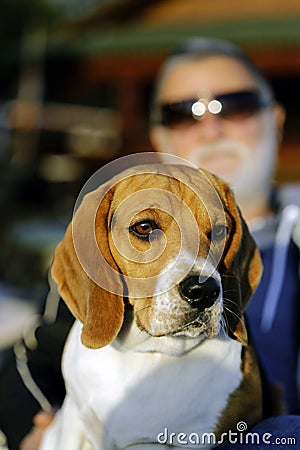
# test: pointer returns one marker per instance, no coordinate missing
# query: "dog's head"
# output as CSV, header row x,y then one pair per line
x,y
172,241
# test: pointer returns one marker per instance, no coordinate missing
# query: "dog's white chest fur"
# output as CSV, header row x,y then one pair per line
x,y
127,398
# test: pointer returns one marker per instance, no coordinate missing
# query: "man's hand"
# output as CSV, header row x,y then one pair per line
x,y
41,421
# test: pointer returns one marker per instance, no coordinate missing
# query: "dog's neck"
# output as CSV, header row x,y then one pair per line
x,y
133,339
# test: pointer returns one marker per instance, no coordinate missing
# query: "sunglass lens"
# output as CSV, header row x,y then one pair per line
x,y
177,114
239,105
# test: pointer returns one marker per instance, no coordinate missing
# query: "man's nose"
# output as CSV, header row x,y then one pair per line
x,y
210,127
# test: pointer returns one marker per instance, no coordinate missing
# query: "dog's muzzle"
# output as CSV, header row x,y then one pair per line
x,y
199,292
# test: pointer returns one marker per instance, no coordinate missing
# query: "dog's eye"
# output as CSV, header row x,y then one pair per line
x,y
144,228
218,233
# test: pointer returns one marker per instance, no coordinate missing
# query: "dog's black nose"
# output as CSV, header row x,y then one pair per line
x,y
200,292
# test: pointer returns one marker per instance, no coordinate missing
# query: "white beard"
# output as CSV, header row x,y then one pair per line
x,y
253,179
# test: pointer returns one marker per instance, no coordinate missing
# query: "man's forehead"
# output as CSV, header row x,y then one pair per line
x,y
204,74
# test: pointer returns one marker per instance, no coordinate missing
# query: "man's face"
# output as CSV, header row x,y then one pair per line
x,y
241,149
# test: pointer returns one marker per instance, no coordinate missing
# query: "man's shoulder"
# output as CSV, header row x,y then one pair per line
x,y
289,194
289,202
283,226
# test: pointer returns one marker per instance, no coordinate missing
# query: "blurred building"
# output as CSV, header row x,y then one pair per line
x,y
122,43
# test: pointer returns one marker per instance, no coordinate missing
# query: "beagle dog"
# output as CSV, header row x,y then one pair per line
x,y
157,266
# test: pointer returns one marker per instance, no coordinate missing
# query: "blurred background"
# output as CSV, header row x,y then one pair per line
x,y
75,83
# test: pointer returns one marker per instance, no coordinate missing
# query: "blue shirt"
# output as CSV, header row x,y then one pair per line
x,y
278,346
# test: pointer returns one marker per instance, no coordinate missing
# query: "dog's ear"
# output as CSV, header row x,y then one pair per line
x,y
87,276
243,269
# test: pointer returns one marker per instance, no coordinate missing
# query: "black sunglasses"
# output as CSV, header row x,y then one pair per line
x,y
232,106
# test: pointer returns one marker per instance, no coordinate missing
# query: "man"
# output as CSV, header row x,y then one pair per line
x,y
213,108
